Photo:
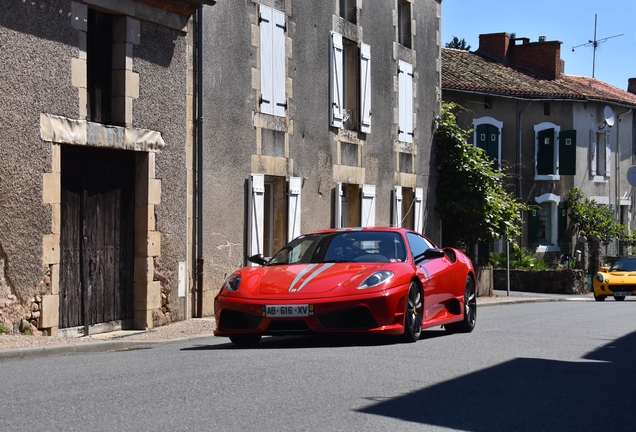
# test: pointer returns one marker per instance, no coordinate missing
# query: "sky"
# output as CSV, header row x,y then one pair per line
x,y
568,21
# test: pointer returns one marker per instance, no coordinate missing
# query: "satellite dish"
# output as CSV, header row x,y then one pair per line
x,y
631,175
608,113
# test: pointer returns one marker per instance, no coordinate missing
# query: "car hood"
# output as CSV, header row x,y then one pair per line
x,y
315,278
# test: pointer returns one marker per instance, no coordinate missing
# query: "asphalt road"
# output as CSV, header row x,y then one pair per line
x,y
553,366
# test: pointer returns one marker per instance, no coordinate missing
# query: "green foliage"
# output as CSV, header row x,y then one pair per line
x,y
520,259
3,329
471,193
27,332
458,44
590,218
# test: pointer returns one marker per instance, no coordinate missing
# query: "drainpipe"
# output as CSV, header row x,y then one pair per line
x,y
520,157
200,260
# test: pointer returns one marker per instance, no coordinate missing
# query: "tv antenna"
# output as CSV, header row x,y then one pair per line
x,y
595,44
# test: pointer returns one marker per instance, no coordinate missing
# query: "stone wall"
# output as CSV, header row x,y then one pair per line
x,y
544,281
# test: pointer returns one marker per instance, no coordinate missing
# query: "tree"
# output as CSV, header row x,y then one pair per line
x,y
458,44
471,194
590,218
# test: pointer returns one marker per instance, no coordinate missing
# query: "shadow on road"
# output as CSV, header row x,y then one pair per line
x,y
318,341
528,394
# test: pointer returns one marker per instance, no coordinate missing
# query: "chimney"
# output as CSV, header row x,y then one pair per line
x,y
543,57
631,85
494,45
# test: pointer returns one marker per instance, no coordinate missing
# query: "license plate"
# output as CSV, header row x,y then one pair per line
x,y
282,311
622,293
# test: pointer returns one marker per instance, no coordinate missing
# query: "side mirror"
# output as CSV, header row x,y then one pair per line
x,y
258,259
431,253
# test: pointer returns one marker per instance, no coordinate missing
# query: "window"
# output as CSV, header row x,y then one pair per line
x,y
99,66
272,50
274,213
407,208
555,151
600,154
405,101
354,205
350,84
543,220
404,23
348,10
487,136
546,108
418,245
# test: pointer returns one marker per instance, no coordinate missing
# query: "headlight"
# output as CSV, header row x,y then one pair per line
x,y
232,283
376,279
599,277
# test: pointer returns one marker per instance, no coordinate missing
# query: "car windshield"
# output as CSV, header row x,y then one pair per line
x,y
624,265
350,246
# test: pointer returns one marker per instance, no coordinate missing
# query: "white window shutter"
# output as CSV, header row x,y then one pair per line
x,y
293,218
266,24
336,80
592,153
608,154
365,87
337,217
418,208
397,206
405,102
367,218
278,63
256,214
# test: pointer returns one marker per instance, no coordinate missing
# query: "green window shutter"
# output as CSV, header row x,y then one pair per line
x,y
488,140
545,152
567,152
533,223
563,222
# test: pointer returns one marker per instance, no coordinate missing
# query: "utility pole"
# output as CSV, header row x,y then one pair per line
x,y
595,44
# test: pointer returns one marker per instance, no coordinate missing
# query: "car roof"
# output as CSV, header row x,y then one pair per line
x,y
354,229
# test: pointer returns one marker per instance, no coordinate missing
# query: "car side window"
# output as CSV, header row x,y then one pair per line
x,y
417,244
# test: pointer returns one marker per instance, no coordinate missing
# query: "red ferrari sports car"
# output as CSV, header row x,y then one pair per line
x,y
350,280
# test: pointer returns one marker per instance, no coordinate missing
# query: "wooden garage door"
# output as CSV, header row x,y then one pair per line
x,y
97,237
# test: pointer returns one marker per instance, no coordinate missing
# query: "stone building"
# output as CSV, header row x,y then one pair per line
x,y
96,144
316,115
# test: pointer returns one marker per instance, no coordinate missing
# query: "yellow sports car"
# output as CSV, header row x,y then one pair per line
x,y
617,280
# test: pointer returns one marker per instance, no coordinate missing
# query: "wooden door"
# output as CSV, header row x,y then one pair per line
x,y
97,237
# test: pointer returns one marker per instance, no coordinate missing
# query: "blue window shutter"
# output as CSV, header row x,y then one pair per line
x,y
608,154
336,80
365,87
405,101
266,24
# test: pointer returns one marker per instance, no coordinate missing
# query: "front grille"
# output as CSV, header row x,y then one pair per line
x,y
235,320
288,327
630,287
348,319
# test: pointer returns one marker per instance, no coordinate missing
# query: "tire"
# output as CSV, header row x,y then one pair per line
x,y
599,297
246,340
413,314
619,298
470,310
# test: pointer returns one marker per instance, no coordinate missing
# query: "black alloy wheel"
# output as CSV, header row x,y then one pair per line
x,y
619,298
470,310
599,297
413,314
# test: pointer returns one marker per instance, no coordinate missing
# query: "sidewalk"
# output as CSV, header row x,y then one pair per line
x,y
21,346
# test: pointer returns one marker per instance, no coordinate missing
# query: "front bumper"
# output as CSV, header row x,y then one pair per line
x,y
367,312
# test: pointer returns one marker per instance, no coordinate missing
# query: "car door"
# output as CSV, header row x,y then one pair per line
x,y
433,273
